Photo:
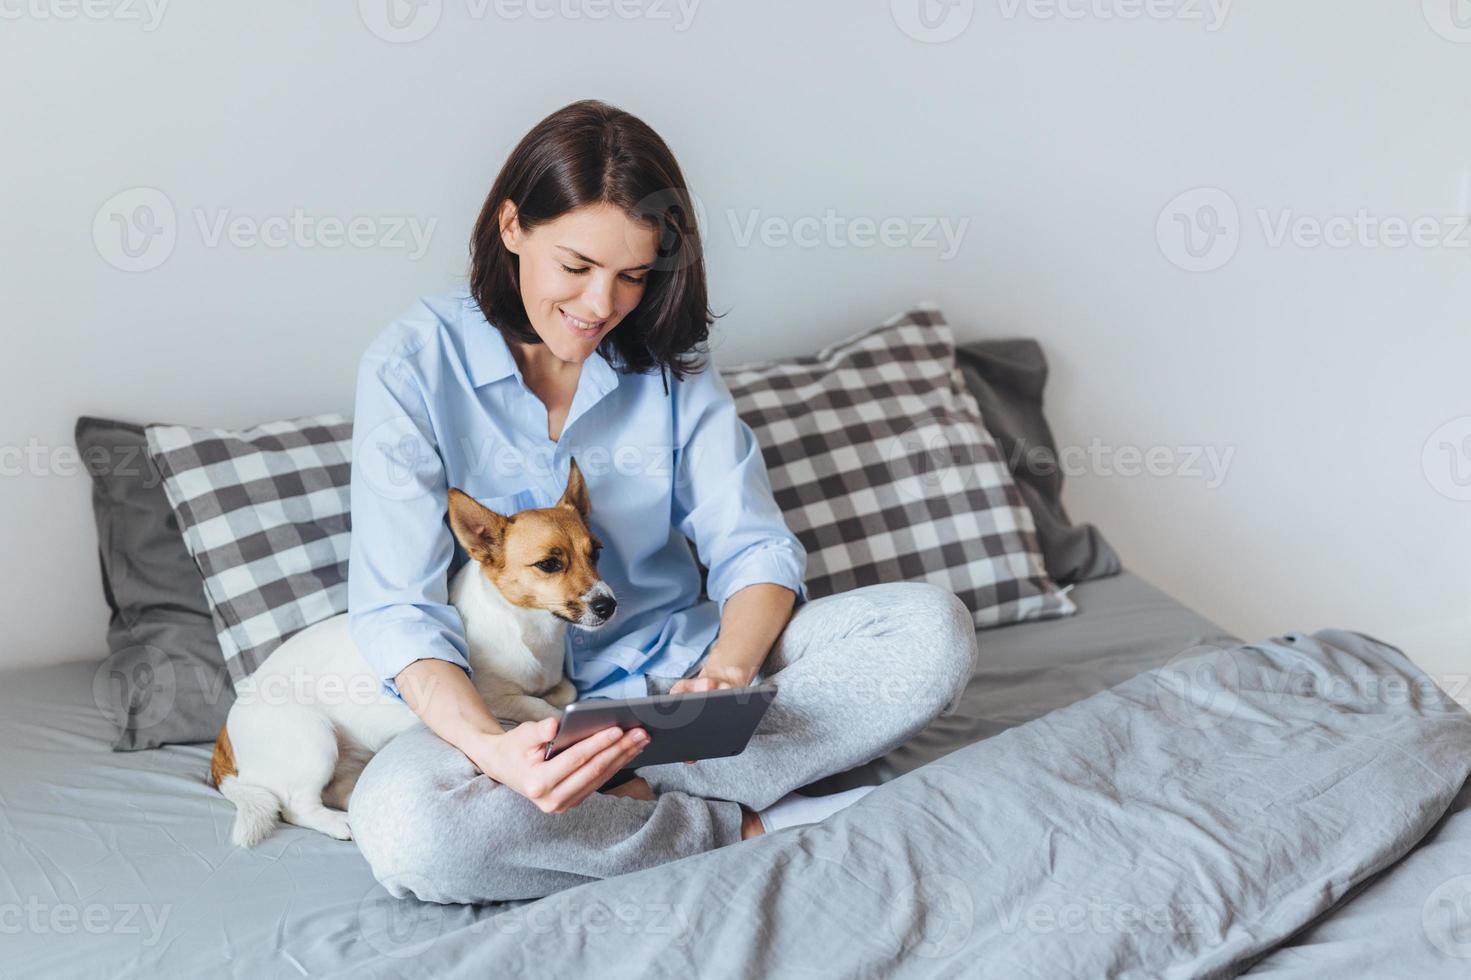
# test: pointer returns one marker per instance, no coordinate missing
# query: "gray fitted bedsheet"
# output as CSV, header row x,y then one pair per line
x,y
119,864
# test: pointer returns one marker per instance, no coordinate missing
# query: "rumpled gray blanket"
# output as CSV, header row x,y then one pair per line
x,y
1180,824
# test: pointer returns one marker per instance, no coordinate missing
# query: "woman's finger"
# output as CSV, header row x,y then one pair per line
x,y
576,787
602,765
573,758
598,783
540,733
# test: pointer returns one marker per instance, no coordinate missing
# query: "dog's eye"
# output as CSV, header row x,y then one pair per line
x,y
597,553
549,565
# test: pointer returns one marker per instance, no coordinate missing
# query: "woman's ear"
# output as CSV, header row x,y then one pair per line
x,y
510,227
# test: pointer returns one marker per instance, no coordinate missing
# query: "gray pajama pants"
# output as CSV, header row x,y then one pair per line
x,y
859,672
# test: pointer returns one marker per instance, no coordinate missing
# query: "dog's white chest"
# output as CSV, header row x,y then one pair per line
x,y
513,665
510,650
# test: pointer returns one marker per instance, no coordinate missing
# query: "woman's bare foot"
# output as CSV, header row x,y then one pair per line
x,y
751,825
636,788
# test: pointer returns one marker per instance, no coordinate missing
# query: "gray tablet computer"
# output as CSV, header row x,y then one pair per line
x,y
681,727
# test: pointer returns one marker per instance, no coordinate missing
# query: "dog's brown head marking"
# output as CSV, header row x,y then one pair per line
x,y
545,558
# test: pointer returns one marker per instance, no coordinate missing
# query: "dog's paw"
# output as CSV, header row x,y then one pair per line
x,y
337,826
522,707
563,694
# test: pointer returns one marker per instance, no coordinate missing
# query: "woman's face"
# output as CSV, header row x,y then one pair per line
x,y
588,265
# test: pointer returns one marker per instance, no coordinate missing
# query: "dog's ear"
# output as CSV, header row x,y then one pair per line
x,y
575,496
478,529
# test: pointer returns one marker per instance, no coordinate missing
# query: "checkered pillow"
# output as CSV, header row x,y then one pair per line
x,y
264,512
883,469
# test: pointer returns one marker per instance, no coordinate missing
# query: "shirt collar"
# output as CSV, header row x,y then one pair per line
x,y
489,359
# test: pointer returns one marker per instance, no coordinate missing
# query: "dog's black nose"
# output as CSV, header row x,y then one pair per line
x,y
604,605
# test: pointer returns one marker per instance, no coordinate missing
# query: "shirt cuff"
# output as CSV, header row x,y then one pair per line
x,y
393,649
392,688
776,566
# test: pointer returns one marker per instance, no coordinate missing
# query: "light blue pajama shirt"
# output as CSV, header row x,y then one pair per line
x,y
441,403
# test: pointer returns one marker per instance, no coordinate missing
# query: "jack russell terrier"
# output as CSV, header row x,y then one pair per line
x,y
307,721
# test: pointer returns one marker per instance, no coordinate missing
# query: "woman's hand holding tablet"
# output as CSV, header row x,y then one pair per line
x,y
682,727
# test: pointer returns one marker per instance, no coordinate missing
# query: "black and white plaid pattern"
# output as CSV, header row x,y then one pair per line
x,y
264,512
883,469
876,450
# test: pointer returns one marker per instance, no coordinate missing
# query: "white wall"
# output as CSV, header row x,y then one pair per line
x,y
1057,140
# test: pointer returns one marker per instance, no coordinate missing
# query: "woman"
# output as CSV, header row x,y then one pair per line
x,y
586,299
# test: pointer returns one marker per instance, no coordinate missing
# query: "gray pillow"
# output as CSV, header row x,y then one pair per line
x,y
164,680
1007,377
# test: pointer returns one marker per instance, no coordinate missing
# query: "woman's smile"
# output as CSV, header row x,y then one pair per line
x,y
583,328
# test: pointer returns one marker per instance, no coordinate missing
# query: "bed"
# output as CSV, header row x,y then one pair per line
x,y
119,864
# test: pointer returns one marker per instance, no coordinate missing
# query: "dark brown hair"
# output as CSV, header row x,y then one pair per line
x,y
592,153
